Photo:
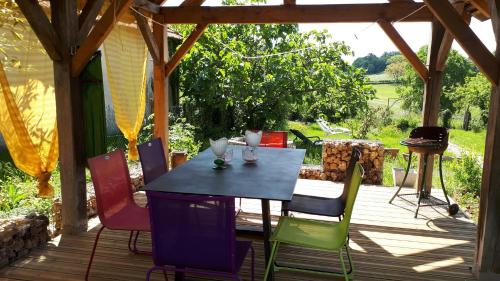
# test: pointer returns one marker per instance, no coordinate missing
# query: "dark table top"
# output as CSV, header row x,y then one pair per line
x,y
273,176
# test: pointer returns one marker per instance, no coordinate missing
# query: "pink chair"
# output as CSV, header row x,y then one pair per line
x,y
278,139
115,203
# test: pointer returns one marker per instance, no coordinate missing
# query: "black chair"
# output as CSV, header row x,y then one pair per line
x,y
315,205
314,140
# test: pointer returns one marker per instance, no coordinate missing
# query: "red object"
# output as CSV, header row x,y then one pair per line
x,y
277,139
115,203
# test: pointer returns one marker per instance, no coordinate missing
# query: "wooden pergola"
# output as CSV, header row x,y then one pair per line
x,y
72,35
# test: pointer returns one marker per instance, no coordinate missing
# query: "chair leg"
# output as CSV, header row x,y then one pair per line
x,y
165,274
349,258
93,253
130,241
132,245
135,243
271,260
441,179
252,266
404,179
346,276
148,274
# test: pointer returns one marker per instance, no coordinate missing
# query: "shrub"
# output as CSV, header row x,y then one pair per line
x,y
467,173
364,123
182,138
446,117
404,124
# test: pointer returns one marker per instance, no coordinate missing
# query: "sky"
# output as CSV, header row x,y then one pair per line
x,y
365,38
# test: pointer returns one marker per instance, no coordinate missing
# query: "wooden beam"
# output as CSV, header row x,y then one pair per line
x,y
98,34
482,7
147,6
191,3
289,2
469,41
298,13
184,48
70,127
404,48
432,95
87,18
41,26
160,87
148,36
445,48
486,264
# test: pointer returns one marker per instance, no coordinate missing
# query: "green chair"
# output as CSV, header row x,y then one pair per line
x,y
318,235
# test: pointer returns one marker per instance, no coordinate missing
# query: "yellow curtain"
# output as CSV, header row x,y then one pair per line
x,y
125,55
28,106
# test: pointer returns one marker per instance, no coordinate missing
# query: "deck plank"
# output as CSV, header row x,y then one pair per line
x,y
387,244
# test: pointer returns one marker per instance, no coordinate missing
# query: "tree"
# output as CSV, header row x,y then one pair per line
x,y
475,92
254,76
396,67
411,89
373,64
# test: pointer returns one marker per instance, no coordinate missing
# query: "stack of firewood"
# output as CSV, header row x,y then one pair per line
x,y
337,153
18,236
312,172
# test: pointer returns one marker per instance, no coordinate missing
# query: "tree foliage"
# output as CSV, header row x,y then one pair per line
x,y
474,92
373,64
411,89
255,76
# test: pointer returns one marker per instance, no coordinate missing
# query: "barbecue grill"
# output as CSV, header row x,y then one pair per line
x,y
427,141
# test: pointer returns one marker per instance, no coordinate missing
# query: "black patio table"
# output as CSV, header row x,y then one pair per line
x,y
272,177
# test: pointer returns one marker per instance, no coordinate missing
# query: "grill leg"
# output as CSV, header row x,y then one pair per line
x,y
404,179
441,178
422,185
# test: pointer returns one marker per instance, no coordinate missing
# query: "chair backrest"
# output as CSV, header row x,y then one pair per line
x,y
354,183
111,179
193,231
301,136
439,134
277,139
153,160
355,155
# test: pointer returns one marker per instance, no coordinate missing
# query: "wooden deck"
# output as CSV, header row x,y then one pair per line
x,y
387,243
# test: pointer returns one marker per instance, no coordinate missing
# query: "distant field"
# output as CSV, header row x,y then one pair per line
x,y
379,77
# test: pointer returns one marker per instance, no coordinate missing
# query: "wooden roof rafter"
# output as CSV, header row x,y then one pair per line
x,y
394,11
42,27
98,34
404,48
455,24
198,30
87,17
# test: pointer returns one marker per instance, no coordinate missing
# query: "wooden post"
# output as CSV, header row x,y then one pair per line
x,y
160,88
432,93
487,258
69,121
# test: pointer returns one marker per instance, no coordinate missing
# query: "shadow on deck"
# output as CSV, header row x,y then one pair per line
x,y
387,244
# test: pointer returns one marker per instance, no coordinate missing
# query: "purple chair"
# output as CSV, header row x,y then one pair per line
x,y
195,234
153,160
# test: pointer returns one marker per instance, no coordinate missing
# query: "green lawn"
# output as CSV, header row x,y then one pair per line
x,y
311,129
469,140
385,91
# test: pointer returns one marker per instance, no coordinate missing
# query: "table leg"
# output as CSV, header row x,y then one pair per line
x,y
267,230
179,276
